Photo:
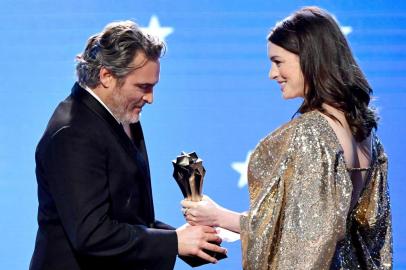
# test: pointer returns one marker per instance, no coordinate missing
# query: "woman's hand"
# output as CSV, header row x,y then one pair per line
x,y
206,212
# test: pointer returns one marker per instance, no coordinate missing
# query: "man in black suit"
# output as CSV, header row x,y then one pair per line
x,y
95,201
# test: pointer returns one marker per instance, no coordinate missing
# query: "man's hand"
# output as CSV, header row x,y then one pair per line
x,y
193,240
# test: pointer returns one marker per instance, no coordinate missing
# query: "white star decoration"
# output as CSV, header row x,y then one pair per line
x,y
242,169
346,30
155,29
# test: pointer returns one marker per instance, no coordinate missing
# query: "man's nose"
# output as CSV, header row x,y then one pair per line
x,y
149,97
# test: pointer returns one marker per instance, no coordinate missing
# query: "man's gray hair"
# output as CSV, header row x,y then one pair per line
x,y
114,49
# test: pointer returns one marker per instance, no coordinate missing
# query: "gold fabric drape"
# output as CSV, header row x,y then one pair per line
x,y
300,199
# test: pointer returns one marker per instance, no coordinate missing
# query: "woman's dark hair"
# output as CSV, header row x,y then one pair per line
x,y
330,71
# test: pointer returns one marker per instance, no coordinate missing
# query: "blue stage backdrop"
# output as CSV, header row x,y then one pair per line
x,y
214,96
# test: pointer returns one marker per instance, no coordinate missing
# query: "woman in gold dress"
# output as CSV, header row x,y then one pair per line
x,y
318,184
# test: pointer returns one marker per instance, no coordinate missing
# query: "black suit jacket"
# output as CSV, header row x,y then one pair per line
x,y
95,200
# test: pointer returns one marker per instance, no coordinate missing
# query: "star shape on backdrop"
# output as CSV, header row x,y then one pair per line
x,y
242,169
155,29
346,30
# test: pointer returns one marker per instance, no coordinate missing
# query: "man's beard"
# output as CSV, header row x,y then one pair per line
x,y
117,103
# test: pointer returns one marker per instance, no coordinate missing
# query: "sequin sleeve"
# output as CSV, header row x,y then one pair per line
x,y
299,213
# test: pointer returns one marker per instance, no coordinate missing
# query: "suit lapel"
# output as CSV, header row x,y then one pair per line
x,y
136,148
86,98
139,142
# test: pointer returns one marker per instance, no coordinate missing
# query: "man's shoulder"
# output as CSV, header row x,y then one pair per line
x,y
71,115
72,112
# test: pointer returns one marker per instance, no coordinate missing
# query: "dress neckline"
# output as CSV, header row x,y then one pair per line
x,y
374,157
340,147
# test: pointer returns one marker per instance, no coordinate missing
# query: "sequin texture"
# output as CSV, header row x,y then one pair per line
x,y
300,203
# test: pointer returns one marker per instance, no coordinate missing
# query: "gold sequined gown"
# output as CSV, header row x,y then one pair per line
x,y
300,200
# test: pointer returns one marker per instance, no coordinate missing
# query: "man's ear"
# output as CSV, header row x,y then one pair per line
x,y
106,78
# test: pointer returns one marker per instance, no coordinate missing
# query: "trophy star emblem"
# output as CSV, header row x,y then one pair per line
x,y
189,174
